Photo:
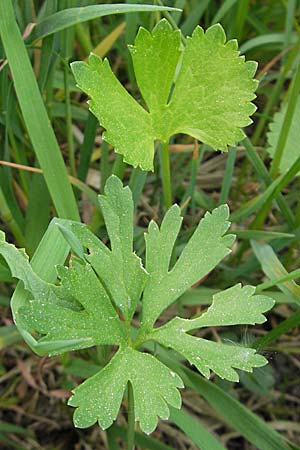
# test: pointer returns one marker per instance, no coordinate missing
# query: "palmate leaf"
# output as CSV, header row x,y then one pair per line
x,y
211,99
98,294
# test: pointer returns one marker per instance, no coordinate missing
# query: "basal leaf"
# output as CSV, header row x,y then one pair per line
x,y
154,387
97,295
291,150
206,248
211,99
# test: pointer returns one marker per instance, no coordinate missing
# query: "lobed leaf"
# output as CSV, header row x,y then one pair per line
x,y
211,99
155,57
78,310
236,305
207,355
212,94
119,269
99,398
117,112
206,248
94,322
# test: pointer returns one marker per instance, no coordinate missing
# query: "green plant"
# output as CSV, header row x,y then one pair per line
x,y
61,99
98,296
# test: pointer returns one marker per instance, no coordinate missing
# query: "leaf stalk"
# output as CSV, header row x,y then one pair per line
x,y
166,175
131,419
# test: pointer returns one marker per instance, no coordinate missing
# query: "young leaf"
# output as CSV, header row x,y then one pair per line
x,y
155,57
98,295
211,99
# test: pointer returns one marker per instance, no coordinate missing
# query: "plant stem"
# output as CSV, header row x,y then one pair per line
x,y
131,419
166,175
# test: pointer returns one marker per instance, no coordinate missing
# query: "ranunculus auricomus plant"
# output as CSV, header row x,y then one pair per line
x,y
203,90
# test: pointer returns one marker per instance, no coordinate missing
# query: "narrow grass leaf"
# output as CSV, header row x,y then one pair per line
x,y
291,148
35,115
225,7
240,418
282,328
194,430
273,268
71,16
274,39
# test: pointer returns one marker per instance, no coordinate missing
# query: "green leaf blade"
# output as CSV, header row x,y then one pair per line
x,y
218,87
128,125
207,355
155,56
211,99
99,398
119,269
235,306
97,296
206,248
96,324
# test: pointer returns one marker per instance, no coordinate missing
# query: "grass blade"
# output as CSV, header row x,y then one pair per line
x,y
194,430
273,268
226,6
241,419
284,327
71,16
293,97
227,175
35,115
